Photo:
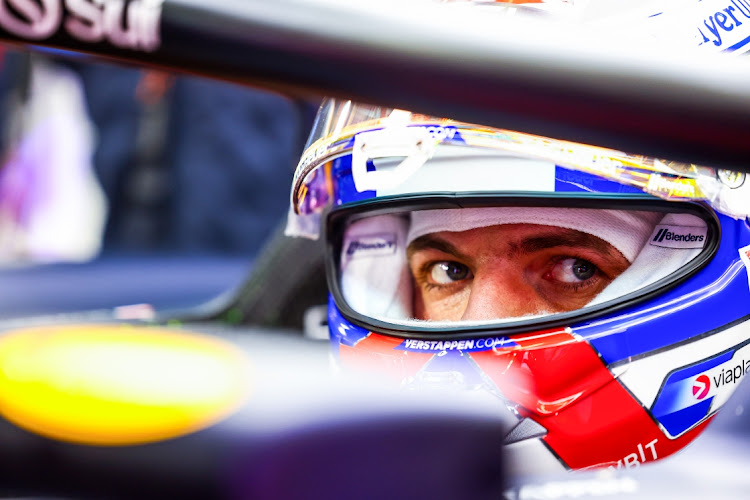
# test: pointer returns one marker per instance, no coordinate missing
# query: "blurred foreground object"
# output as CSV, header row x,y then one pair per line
x,y
556,79
227,417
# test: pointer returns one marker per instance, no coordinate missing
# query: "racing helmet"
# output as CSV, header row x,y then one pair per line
x,y
602,297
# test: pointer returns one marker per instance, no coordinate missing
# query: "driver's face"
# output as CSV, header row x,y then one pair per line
x,y
508,271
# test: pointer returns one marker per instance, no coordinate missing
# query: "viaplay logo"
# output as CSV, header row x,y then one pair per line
x,y
692,393
701,386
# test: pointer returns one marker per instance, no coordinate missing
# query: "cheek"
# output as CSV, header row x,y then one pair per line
x,y
558,302
561,298
446,308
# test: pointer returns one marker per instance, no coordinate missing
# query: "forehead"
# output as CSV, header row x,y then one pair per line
x,y
509,238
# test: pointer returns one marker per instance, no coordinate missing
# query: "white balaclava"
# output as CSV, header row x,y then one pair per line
x,y
626,231
376,282
375,277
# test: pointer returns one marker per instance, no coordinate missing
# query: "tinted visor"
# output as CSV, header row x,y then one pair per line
x,y
447,265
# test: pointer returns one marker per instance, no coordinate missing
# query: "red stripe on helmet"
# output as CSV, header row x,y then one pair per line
x,y
375,353
591,419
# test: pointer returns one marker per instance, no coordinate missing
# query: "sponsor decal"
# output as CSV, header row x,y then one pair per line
x,y
643,452
668,236
440,133
731,375
701,386
468,345
691,394
675,187
371,245
125,24
724,25
745,256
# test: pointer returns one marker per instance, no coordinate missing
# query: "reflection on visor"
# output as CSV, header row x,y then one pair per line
x,y
493,265
342,125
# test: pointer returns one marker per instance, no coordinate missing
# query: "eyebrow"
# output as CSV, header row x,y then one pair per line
x,y
429,241
562,237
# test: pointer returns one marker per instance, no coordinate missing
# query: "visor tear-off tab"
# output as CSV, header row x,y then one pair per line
x,y
414,144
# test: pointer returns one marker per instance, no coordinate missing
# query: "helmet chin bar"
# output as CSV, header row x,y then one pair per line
x,y
570,409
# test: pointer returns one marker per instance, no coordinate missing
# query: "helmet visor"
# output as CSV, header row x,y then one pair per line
x,y
372,134
447,265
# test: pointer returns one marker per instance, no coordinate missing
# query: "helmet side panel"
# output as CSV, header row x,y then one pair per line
x,y
717,296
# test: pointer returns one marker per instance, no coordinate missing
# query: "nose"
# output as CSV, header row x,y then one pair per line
x,y
500,295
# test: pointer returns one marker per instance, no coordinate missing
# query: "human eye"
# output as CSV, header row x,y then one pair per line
x,y
573,271
446,273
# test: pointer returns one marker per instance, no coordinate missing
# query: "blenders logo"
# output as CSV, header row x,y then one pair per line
x,y
372,245
670,236
126,24
701,386
678,236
